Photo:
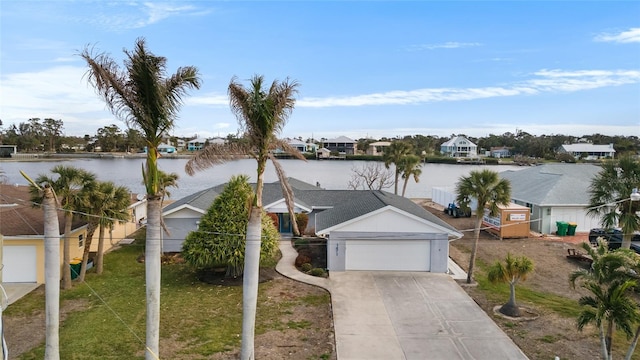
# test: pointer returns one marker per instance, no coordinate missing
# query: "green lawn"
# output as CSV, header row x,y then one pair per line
x,y
200,319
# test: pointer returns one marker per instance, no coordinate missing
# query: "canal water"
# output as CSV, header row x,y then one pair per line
x,y
330,174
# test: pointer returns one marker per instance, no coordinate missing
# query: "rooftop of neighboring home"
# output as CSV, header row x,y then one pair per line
x,y
455,140
20,218
588,148
552,184
340,139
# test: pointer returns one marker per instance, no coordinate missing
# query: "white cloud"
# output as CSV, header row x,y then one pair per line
x,y
213,99
447,45
545,81
136,15
629,36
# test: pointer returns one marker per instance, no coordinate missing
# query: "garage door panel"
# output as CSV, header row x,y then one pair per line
x,y
394,255
20,264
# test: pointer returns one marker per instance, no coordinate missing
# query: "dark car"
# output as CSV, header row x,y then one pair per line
x,y
613,237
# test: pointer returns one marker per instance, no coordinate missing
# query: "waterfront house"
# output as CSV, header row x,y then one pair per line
x,y
365,229
378,148
588,151
459,146
500,152
342,145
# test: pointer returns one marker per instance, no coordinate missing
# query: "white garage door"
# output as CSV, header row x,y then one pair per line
x,y
396,255
19,264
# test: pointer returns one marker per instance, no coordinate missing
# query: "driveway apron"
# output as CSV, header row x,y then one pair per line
x,y
411,315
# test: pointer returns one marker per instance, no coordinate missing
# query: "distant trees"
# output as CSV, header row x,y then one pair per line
x,y
220,238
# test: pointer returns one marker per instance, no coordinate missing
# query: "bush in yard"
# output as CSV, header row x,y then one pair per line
x,y
319,272
274,218
302,220
220,238
306,267
302,259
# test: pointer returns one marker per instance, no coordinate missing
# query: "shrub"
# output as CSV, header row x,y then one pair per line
x,y
274,218
306,267
319,272
300,243
302,259
302,220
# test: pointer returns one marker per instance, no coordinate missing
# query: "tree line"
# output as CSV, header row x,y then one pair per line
x,y
47,135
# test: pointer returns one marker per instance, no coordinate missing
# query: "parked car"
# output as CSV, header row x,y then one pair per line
x,y
454,210
613,237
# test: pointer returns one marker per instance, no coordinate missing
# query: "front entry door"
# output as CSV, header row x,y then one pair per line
x,y
285,223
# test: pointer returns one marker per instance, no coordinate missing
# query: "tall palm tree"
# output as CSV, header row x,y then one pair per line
x,y
410,166
68,183
105,205
145,98
608,280
262,114
394,155
610,197
486,187
514,270
50,204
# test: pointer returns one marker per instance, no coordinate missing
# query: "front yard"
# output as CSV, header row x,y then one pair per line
x,y
105,317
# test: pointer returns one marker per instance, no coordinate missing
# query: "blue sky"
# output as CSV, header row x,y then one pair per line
x,y
365,68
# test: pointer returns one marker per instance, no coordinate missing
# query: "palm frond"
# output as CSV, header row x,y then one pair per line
x,y
214,154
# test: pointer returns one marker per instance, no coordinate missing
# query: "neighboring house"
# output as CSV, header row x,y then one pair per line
x,y
377,148
22,235
500,152
323,153
459,146
342,145
366,230
554,192
588,151
166,149
196,144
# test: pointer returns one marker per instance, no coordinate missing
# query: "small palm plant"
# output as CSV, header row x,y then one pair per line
x,y
512,271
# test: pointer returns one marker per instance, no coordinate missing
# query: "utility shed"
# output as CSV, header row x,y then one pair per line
x,y
512,221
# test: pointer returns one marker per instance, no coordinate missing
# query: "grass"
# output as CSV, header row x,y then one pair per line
x,y
204,318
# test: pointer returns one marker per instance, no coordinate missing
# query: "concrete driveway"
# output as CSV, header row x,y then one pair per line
x,y
400,315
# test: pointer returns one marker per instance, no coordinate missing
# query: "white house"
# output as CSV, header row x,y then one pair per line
x,y
588,151
342,145
365,230
459,146
554,192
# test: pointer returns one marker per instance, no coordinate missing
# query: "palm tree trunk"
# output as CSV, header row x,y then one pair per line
x,y
404,187
474,248
609,337
91,229
632,346
66,257
395,182
152,278
100,253
603,344
250,283
52,275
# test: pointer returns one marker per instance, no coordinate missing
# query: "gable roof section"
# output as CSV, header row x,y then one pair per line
x,y
352,204
200,200
588,148
454,141
340,139
19,218
552,184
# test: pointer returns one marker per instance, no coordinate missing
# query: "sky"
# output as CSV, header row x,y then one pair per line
x,y
365,68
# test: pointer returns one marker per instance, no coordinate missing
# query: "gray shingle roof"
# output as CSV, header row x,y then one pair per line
x,y
552,184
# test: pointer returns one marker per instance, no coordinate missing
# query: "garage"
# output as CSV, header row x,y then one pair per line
x,y
20,264
396,255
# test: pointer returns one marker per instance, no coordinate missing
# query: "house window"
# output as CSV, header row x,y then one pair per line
x,y
81,240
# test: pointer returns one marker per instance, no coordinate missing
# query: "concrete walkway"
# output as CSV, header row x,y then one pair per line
x,y
405,315
15,291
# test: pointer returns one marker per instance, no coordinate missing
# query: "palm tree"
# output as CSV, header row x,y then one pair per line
x,y
512,271
486,187
69,185
410,166
49,203
610,197
144,98
608,280
107,204
262,114
394,155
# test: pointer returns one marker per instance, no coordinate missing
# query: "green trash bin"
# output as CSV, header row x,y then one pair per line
x,y
562,228
571,229
75,265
